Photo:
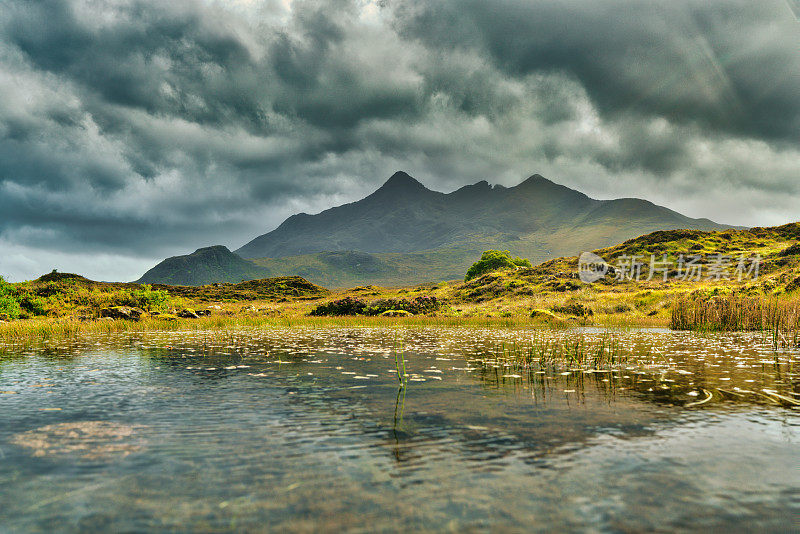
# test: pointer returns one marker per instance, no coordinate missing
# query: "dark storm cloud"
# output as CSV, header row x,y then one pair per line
x,y
733,65
134,129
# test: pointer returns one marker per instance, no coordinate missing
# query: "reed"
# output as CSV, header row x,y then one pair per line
x,y
573,351
47,328
778,318
400,361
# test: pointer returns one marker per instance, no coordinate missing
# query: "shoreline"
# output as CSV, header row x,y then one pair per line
x,y
43,329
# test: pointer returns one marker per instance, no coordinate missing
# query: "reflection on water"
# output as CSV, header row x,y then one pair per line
x,y
307,430
89,439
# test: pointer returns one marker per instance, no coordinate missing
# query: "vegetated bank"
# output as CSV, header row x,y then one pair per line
x,y
507,292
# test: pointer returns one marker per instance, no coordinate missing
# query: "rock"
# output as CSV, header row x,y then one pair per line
x,y
543,314
203,313
397,313
575,308
188,313
122,312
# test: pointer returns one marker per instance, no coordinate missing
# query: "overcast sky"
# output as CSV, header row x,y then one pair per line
x,y
131,130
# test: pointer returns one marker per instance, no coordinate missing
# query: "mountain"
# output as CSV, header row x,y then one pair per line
x,y
537,218
405,233
203,266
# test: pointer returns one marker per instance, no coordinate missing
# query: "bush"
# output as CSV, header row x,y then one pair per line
x,y
354,306
418,305
33,304
8,302
495,260
345,306
149,299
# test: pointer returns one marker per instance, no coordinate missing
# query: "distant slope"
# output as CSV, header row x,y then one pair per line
x,y
537,219
341,269
203,266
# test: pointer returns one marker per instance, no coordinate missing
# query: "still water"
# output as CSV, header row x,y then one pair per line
x,y
299,430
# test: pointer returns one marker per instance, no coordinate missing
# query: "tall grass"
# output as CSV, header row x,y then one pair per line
x,y
571,351
400,361
47,328
778,317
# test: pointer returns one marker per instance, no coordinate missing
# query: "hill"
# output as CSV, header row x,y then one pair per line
x,y
203,266
778,273
550,291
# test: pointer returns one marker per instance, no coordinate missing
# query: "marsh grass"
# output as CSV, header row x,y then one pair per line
x,y
573,351
778,318
400,361
47,328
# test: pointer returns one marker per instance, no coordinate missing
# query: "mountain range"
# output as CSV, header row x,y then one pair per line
x,y
405,233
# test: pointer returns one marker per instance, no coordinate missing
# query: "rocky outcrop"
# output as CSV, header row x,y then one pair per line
x,y
122,312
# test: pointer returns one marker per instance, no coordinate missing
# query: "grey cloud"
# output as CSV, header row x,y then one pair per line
x,y
143,128
732,65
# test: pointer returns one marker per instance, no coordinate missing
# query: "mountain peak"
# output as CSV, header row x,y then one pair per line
x,y
537,179
402,180
203,266
213,249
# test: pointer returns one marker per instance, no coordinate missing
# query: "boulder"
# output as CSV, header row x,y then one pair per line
x,y
122,312
574,308
397,313
543,314
188,313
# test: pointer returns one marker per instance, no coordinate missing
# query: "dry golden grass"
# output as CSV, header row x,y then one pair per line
x,y
778,316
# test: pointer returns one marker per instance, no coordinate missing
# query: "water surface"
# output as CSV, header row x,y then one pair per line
x,y
308,430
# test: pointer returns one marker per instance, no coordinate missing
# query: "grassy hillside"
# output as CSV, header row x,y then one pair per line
x,y
550,292
58,295
554,285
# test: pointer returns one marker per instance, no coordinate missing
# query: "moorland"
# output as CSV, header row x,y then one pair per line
x,y
740,280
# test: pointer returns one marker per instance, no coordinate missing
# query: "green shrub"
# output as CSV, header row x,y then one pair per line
x,y
34,304
353,306
418,305
495,260
345,306
150,299
9,305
